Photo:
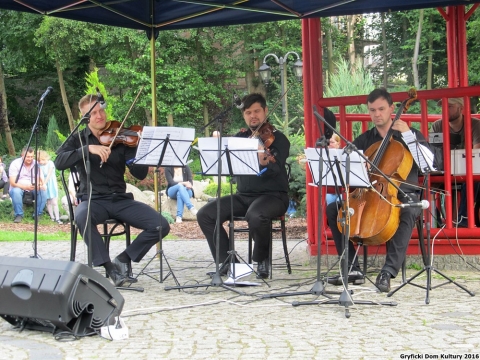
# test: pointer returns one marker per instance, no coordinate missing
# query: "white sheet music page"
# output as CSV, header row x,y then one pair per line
x,y
422,155
358,176
243,155
153,141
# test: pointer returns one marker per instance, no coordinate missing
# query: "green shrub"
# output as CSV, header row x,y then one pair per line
x,y
6,210
168,217
211,189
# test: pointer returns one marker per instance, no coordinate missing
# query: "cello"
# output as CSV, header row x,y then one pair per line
x,y
376,218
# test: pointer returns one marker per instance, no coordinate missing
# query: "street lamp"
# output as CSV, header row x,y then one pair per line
x,y
265,74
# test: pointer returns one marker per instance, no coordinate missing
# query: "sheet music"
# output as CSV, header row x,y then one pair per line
x,y
422,156
153,141
243,155
358,171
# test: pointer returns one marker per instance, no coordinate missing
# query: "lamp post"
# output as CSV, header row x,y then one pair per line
x,y
265,74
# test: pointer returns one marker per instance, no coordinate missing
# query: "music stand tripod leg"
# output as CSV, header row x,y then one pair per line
x,y
426,254
318,287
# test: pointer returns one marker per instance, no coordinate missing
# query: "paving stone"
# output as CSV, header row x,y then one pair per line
x,y
218,323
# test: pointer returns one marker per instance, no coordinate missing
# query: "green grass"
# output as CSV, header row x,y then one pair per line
x,y
8,236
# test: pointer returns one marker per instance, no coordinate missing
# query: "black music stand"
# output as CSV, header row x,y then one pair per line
x,y
343,172
426,167
163,146
234,156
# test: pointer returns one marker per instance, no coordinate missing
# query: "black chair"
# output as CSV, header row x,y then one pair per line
x,y
111,227
273,229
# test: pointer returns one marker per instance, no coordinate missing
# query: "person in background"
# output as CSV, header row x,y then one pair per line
x,y
334,143
4,184
109,199
25,171
456,122
48,170
72,194
216,134
180,188
258,198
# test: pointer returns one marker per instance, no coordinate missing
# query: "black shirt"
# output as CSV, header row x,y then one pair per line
x,y
274,179
106,180
369,137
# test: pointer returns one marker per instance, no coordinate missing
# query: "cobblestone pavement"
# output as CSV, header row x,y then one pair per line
x,y
218,323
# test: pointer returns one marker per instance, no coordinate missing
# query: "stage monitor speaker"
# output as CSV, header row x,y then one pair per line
x,y
55,296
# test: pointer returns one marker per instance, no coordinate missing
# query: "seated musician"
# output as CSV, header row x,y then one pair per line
x,y
258,198
109,199
381,108
456,121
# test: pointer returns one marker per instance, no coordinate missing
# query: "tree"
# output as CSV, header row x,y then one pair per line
x,y
4,117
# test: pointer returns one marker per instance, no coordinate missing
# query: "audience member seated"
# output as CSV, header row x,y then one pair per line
x,y
72,194
334,143
180,188
4,184
48,171
22,179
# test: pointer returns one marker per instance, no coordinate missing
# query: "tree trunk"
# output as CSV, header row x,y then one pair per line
x,y
351,41
4,116
66,105
430,56
206,119
328,36
416,50
169,119
385,60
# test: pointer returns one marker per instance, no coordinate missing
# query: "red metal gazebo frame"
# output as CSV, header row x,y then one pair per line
x,y
449,240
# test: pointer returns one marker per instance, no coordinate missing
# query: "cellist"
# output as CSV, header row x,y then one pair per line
x,y
381,107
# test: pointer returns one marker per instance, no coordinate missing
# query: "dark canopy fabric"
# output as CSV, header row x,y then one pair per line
x,y
183,14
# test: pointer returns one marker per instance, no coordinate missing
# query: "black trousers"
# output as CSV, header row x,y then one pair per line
x,y
396,246
135,213
258,211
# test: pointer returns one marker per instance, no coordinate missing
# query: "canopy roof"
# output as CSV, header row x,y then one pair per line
x,y
183,14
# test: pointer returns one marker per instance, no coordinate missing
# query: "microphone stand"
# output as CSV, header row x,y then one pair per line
x,y
85,120
425,248
35,131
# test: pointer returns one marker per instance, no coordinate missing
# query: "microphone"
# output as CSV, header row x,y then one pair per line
x,y
101,100
46,93
238,101
424,204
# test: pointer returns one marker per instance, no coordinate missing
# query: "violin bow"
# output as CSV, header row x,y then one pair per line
x,y
125,118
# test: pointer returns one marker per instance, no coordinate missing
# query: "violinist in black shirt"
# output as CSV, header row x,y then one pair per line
x,y
109,199
258,198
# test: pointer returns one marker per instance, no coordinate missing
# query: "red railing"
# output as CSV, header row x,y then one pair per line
x,y
346,122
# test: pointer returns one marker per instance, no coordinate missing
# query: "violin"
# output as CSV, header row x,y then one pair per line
x,y
128,136
265,133
114,134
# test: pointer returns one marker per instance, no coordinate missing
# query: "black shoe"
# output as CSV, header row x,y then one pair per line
x,y
354,277
383,281
18,219
123,269
117,278
262,269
